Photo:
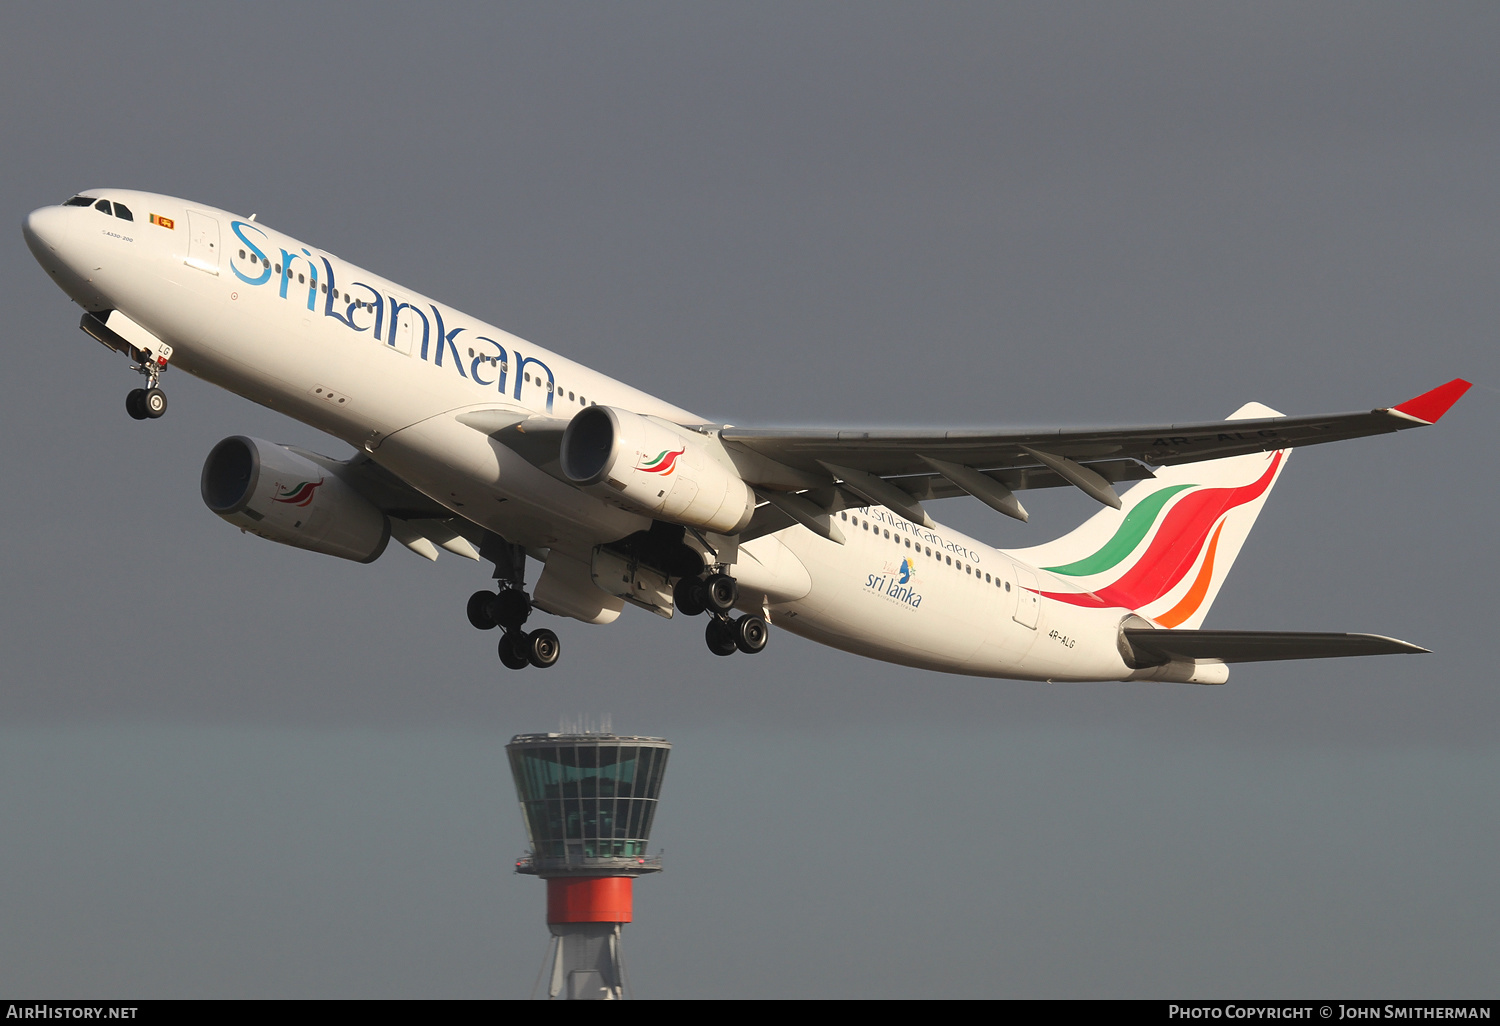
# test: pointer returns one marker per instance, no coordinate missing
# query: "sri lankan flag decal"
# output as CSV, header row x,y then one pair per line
x,y
165,222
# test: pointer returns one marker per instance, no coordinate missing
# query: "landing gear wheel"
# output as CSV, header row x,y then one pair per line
x,y
154,402
479,610
691,596
720,637
751,633
543,648
720,591
513,650
511,608
135,404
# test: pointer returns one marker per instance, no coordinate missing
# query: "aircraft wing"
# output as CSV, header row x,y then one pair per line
x,y
899,469
1163,646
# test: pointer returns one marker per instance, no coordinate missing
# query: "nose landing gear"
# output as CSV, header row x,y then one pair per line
x,y
150,402
146,403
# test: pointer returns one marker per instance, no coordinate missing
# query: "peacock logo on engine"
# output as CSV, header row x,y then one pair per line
x,y
662,463
300,494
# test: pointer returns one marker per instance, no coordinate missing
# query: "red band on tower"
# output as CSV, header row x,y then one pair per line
x,y
588,899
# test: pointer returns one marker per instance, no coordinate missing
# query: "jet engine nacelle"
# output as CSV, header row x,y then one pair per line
x,y
278,494
655,467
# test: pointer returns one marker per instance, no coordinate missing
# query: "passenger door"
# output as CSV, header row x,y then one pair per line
x,y
1028,602
203,242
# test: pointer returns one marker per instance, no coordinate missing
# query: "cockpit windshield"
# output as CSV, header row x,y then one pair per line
x,y
102,205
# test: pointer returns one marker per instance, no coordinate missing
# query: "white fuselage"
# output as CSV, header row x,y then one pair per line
x,y
388,371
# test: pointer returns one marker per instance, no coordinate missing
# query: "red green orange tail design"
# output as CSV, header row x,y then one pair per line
x,y
1165,553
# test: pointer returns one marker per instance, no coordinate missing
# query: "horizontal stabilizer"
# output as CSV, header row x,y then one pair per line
x,y
1163,646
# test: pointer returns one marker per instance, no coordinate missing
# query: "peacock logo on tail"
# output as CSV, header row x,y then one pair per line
x,y
1188,521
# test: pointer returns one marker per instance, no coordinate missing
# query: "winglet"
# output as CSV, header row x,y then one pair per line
x,y
1429,407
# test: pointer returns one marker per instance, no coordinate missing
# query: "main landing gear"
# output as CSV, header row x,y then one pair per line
x,y
509,610
716,595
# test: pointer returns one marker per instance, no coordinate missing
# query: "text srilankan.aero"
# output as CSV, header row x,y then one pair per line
x,y
475,441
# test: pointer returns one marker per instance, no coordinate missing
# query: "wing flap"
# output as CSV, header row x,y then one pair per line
x,y
1154,647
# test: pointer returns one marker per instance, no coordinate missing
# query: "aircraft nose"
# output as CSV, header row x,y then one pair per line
x,y
43,229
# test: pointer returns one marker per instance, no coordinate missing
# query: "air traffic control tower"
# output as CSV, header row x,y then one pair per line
x,y
588,800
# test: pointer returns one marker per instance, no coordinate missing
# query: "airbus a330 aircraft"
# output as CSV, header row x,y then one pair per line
x,y
472,440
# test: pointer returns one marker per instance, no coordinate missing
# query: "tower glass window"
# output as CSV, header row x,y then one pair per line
x,y
587,797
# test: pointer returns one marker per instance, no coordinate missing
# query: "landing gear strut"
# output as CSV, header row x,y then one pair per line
x,y
717,595
511,608
150,402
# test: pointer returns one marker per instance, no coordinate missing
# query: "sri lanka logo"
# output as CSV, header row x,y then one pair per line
x,y
298,494
662,463
897,583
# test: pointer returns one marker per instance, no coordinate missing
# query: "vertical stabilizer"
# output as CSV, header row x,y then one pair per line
x,y
1166,551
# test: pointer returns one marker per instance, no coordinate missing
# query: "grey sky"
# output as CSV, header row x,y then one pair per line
x,y
229,768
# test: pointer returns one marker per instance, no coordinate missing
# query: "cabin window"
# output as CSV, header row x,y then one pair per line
x,y
986,578
908,543
301,280
278,268
242,254
570,395
843,516
527,376
968,569
80,201
325,287
102,205
123,212
582,401
887,534
949,559
1007,586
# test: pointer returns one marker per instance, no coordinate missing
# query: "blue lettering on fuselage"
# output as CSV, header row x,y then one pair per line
x,y
892,588
240,228
382,315
347,317
445,340
500,362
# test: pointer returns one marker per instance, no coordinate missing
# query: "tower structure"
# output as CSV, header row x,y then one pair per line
x,y
588,800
